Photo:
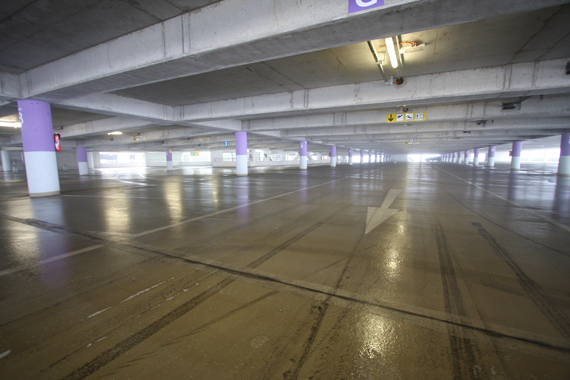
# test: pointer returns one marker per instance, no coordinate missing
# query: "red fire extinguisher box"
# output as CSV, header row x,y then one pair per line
x,y
57,141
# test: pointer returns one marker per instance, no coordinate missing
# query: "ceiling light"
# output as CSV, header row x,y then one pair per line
x,y
9,124
392,52
115,133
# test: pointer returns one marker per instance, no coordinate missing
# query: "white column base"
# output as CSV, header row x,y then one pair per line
x,y
515,163
476,161
303,163
169,165
6,161
41,171
333,162
350,160
83,168
241,165
564,166
491,162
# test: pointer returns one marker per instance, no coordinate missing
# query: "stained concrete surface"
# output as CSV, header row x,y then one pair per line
x,y
199,274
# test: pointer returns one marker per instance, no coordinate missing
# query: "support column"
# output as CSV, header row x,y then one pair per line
x,y
491,157
466,162
369,156
350,156
475,156
90,161
82,160
39,148
6,161
564,162
303,155
333,156
516,158
361,156
241,153
169,165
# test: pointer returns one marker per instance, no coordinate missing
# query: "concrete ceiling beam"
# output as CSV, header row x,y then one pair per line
x,y
234,33
535,78
492,110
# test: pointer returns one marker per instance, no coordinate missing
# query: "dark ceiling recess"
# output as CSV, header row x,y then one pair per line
x,y
516,104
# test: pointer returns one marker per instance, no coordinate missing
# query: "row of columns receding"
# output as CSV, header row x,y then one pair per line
x,y
462,156
41,163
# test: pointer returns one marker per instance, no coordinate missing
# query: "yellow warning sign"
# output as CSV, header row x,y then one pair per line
x,y
405,117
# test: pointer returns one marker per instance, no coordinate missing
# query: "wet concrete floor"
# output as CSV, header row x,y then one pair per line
x,y
375,271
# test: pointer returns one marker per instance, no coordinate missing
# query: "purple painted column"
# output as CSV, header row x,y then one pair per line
x,y
241,153
333,156
303,155
361,156
491,156
169,160
350,152
466,162
475,156
516,157
564,163
82,160
39,148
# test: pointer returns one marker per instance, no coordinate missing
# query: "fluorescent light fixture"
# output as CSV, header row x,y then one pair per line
x,y
9,124
115,133
392,52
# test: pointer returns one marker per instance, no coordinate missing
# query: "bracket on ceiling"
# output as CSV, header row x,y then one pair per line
x,y
516,104
378,62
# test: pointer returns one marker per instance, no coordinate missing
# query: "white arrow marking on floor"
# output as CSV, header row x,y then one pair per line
x,y
378,215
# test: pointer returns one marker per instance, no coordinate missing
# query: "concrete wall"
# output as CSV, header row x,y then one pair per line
x,y
68,158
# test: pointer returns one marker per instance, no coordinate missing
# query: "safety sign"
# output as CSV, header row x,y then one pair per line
x,y
405,117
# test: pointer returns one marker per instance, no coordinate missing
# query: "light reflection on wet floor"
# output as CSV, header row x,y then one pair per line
x,y
197,273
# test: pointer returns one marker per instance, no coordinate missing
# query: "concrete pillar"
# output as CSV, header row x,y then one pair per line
x,y
361,156
303,155
6,161
241,153
169,165
350,156
475,156
466,155
333,156
491,157
91,161
564,163
39,148
82,160
516,157
369,156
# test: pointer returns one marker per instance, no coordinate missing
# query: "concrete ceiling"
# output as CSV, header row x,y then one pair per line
x,y
188,74
35,32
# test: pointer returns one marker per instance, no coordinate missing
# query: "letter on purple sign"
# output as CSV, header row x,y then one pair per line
x,y
361,5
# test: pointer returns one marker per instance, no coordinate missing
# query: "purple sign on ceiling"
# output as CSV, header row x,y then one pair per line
x,y
361,5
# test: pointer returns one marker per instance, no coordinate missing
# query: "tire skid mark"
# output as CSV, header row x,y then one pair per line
x,y
534,291
323,307
494,339
464,352
127,344
505,228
